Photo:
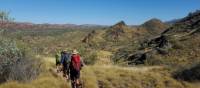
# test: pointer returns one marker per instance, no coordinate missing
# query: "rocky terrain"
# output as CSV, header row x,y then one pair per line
x,y
179,43
120,34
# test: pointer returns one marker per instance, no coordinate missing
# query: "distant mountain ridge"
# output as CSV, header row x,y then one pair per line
x,y
27,25
171,22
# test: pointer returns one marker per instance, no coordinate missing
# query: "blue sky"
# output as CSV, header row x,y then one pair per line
x,y
104,12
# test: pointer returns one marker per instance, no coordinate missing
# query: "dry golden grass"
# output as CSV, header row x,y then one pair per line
x,y
45,80
142,77
106,76
103,58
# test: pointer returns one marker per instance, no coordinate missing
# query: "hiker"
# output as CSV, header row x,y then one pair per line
x,y
65,61
75,67
58,61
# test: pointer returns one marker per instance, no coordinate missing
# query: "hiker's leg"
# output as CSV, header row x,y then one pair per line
x,y
72,77
73,84
68,71
64,71
78,77
57,69
77,81
57,66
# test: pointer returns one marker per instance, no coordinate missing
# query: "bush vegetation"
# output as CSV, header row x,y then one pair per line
x,y
15,63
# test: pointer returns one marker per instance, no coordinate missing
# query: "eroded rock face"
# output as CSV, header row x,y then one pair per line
x,y
120,24
137,58
185,25
117,31
121,34
161,44
89,37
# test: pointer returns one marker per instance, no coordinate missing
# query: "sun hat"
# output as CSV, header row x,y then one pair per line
x,y
74,52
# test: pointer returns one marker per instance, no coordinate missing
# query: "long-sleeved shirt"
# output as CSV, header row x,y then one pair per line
x,y
65,58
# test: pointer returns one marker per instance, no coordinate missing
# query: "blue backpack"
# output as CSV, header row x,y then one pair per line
x,y
66,58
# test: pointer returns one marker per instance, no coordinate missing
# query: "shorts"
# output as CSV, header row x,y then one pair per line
x,y
74,74
66,69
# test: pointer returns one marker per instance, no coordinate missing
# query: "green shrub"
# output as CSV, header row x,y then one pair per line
x,y
91,58
15,63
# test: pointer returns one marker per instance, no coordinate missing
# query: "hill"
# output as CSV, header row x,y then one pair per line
x,y
154,26
173,46
120,34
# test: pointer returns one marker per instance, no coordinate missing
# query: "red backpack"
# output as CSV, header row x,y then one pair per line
x,y
76,62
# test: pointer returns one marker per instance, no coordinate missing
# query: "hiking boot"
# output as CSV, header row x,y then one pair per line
x,y
79,85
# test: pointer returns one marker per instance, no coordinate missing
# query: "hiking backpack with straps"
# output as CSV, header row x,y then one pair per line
x,y
66,58
76,62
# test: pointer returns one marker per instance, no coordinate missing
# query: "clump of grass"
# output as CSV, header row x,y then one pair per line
x,y
89,78
90,58
104,57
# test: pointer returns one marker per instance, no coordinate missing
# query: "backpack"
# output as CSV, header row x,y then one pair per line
x,y
66,58
76,62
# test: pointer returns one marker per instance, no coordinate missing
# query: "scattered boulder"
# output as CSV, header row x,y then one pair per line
x,y
159,42
137,58
190,74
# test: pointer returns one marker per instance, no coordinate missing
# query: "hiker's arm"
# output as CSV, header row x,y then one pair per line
x,y
62,60
82,62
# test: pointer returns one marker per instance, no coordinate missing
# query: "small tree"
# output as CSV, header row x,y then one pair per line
x,y
4,17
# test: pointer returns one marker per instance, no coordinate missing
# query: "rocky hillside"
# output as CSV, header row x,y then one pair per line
x,y
154,26
120,34
177,45
104,38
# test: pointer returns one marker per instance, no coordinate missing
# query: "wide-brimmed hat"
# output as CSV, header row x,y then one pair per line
x,y
65,50
74,52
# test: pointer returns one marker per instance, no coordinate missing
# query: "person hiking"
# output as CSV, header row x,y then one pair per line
x,y
75,67
65,61
58,61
